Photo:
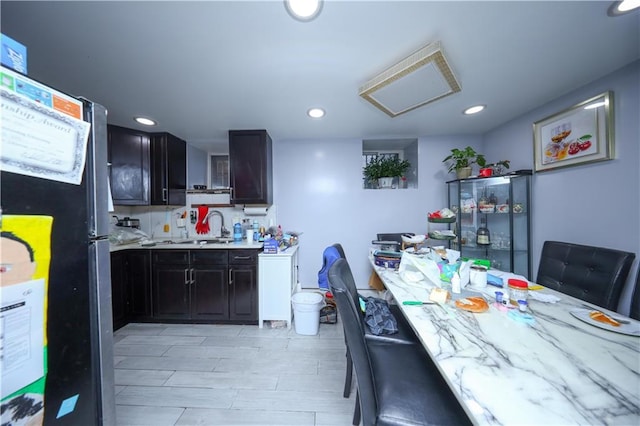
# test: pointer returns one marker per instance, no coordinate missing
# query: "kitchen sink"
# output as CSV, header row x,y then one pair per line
x,y
203,241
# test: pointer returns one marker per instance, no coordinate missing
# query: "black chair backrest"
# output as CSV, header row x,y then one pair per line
x,y
635,299
354,335
338,247
593,274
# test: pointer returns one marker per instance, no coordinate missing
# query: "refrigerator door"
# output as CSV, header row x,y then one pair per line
x,y
78,386
100,260
97,171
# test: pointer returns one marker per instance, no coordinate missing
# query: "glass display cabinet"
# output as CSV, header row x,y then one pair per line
x,y
493,220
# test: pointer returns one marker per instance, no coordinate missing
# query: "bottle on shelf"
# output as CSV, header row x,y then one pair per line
x,y
493,199
483,237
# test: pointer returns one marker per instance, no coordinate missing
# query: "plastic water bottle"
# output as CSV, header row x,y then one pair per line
x,y
237,232
256,230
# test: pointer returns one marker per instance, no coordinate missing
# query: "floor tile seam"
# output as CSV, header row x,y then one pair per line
x,y
169,388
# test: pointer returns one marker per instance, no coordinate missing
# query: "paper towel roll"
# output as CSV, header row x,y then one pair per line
x,y
255,211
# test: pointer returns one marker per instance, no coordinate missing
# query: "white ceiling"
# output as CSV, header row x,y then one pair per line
x,y
202,68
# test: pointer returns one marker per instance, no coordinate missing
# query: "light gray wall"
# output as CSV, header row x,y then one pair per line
x,y
596,204
318,191
196,167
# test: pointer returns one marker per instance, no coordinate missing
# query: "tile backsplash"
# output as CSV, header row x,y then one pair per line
x,y
154,218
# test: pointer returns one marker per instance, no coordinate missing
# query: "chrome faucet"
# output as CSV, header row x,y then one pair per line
x,y
224,232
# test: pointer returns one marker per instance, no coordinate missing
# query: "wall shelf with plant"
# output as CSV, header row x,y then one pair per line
x,y
382,170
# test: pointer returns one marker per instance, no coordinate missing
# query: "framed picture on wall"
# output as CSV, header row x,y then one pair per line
x,y
578,135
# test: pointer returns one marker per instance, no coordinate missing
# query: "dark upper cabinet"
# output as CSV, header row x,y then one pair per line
x,y
168,170
147,169
250,167
128,152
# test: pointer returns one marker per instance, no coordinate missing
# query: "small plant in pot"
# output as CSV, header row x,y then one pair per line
x,y
494,169
500,167
461,160
384,167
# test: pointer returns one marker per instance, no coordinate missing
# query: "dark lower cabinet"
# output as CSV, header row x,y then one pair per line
x,y
118,290
205,285
138,269
209,289
170,284
130,287
243,289
209,293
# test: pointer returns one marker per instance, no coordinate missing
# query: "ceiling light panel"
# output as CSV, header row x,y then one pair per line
x,y
421,78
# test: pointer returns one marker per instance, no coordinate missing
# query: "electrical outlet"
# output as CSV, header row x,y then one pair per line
x,y
194,217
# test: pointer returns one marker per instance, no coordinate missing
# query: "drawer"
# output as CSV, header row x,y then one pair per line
x,y
171,257
209,257
243,257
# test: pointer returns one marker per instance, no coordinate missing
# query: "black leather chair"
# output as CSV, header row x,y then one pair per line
x,y
397,384
635,299
405,334
593,274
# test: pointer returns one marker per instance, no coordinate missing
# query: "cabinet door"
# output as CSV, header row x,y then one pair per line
x,y
129,172
118,293
168,170
209,292
242,294
171,291
250,167
138,271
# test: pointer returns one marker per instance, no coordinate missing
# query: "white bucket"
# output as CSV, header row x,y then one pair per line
x,y
306,311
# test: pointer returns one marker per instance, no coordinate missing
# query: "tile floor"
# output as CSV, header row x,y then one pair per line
x,y
168,374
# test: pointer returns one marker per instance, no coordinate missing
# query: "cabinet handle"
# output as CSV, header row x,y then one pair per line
x,y
164,194
230,276
186,281
241,257
191,276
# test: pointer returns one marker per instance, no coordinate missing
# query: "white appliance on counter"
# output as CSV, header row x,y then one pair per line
x,y
277,281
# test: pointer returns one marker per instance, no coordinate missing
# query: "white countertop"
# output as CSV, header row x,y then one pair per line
x,y
163,244
557,371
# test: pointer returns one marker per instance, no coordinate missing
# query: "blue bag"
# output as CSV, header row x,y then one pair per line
x,y
329,256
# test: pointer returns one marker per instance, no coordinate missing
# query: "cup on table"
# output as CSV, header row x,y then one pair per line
x,y
478,276
249,236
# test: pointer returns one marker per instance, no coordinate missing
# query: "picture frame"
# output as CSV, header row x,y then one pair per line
x,y
579,135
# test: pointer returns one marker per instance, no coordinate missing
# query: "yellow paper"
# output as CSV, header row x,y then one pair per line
x,y
25,255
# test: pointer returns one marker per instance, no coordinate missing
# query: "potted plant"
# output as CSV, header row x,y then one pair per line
x,y
382,170
499,167
460,161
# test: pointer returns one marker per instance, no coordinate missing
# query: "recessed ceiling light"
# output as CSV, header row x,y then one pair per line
x,y
315,113
622,7
473,110
303,10
145,121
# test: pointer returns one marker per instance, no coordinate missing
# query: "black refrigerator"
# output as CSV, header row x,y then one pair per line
x,y
56,348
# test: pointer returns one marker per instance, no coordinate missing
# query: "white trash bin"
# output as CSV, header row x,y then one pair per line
x,y
306,311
